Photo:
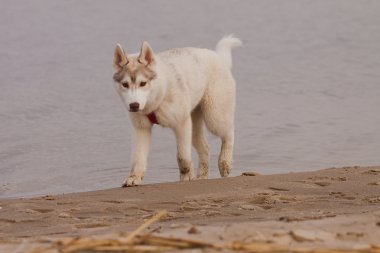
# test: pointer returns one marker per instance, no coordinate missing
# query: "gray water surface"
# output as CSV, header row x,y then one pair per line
x,y
308,87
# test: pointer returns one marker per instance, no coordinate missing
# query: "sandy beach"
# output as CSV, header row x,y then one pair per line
x,y
330,208
308,98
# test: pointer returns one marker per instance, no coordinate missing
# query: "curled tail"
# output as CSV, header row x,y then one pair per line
x,y
224,47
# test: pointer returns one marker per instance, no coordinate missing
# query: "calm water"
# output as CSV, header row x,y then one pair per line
x,y
308,87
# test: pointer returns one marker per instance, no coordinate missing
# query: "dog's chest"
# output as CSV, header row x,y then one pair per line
x,y
172,114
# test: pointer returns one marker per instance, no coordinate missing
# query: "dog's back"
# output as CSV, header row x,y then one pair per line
x,y
196,72
193,55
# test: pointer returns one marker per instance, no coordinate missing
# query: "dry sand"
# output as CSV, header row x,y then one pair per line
x,y
335,208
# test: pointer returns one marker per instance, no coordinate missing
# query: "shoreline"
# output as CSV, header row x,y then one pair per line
x,y
335,206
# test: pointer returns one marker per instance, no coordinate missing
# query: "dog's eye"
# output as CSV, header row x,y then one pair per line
x,y
125,85
142,84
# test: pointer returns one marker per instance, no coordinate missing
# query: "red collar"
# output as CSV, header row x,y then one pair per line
x,y
152,118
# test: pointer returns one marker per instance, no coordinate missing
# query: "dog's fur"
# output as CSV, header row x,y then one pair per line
x,y
184,88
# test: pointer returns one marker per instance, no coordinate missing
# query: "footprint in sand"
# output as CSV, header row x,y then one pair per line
x,y
65,203
315,178
43,210
276,188
337,194
372,200
113,201
64,215
341,195
269,201
251,207
339,178
91,225
7,221
372,172
264,200
322,183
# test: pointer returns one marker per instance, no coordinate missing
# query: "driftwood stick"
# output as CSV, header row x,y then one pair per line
x,y
131,236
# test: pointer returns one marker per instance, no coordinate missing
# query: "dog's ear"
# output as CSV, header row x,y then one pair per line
x,y
120,58
146,56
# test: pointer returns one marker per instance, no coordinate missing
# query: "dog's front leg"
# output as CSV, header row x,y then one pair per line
x,y
139,156
183,134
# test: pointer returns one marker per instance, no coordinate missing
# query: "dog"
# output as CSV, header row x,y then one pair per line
x,y
182,89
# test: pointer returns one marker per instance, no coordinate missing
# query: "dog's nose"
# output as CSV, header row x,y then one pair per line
x,y
134,107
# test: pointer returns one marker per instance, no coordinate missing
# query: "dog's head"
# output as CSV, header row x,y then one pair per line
x,y
134,75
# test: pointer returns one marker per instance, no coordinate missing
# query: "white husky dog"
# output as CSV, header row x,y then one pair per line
x,y
181,89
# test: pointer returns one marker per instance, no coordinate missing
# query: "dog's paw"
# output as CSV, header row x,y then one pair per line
x,y
199,177
224,168
132,181
186,176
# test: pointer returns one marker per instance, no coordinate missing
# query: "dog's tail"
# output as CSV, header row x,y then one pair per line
x,y
224,47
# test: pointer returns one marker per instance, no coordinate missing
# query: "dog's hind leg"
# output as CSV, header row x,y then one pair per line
x,y
225,156
183,136
226,133
222,125
200,143
218,107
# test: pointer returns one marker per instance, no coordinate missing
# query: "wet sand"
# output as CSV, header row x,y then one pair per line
x,y
335,207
